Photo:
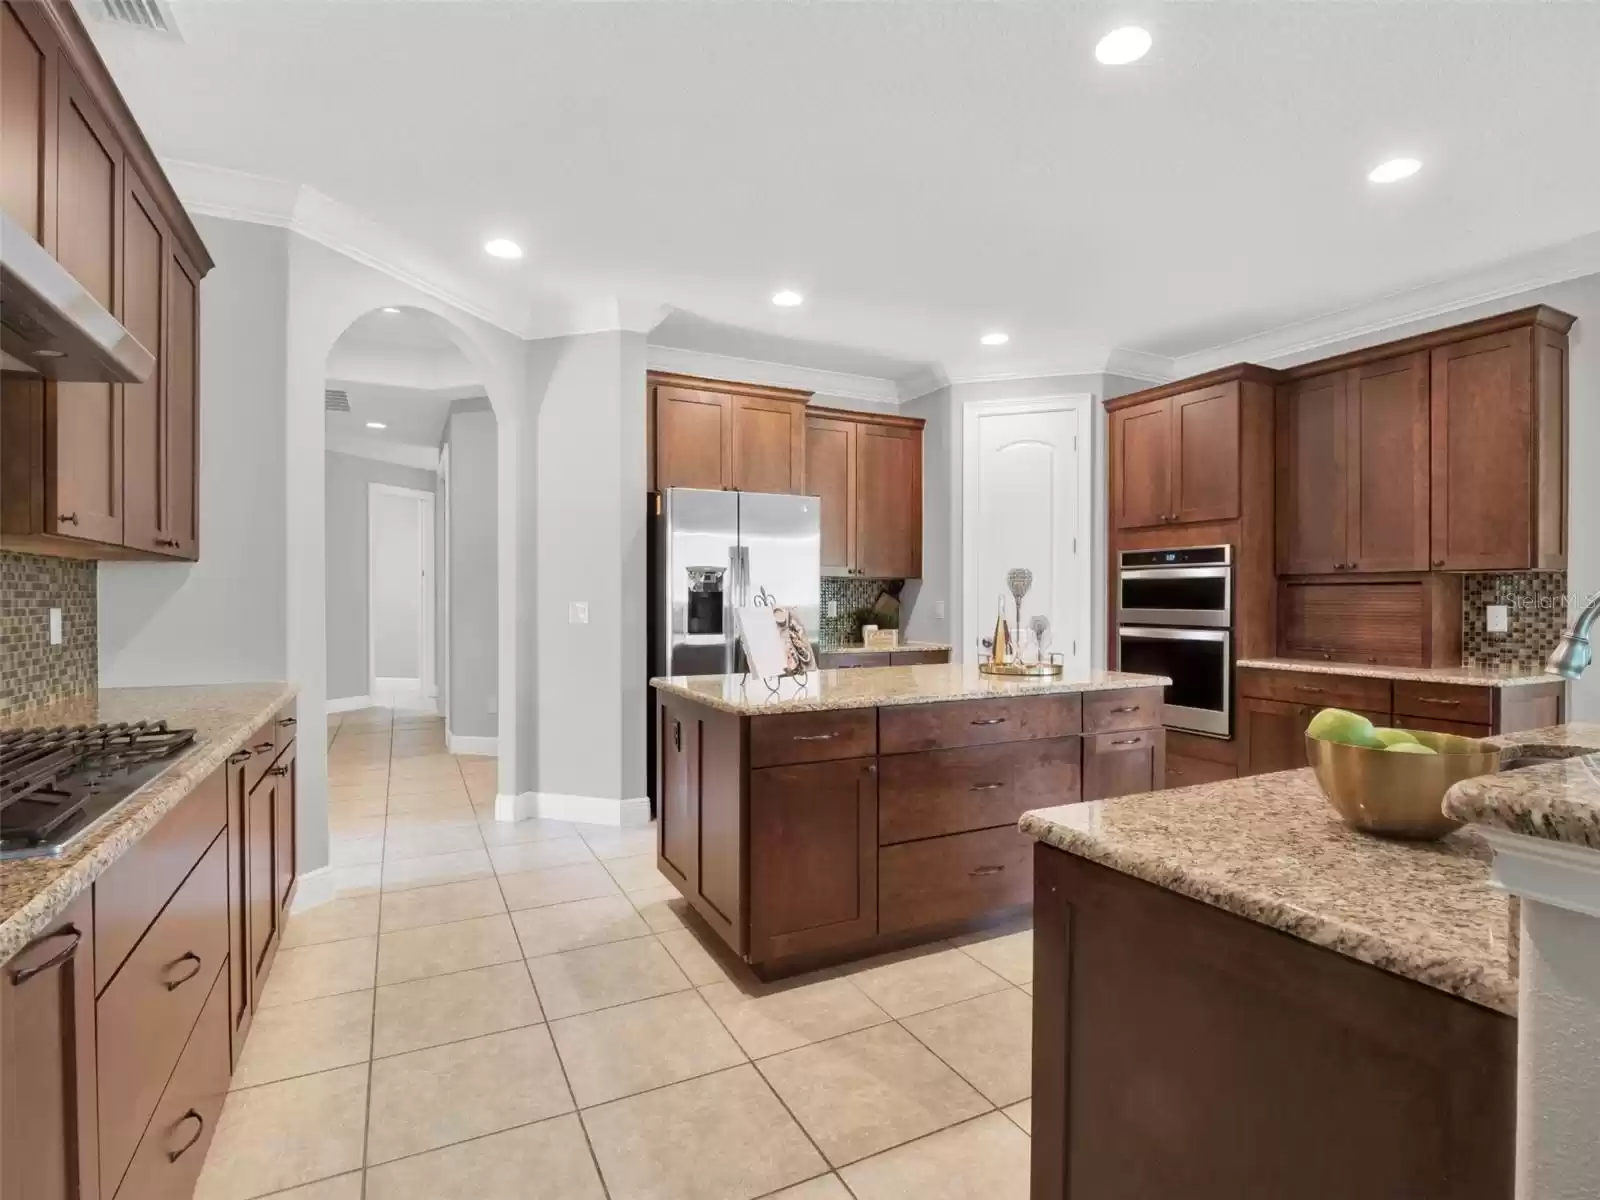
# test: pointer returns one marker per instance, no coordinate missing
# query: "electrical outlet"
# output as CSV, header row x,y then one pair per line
x,y
494,705
938,610
578,612
1498,618
833,608
55,627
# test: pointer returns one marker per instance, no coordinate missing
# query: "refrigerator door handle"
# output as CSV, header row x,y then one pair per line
x,y
744,576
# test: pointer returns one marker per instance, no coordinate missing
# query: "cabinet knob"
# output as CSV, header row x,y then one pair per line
x,y
70,518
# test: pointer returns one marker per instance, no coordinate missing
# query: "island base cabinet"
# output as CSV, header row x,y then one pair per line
x,y
49,1145
1122,764
1179,1050
813,857
947,880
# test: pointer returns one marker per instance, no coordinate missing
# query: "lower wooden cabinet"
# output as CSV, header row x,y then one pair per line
x,y
1122,764
960,877
49,1141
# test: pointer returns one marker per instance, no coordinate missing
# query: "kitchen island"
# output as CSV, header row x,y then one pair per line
x,y
1237,995
862,808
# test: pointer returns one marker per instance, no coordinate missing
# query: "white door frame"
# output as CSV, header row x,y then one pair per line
x,y
1080,405
442,589
425,586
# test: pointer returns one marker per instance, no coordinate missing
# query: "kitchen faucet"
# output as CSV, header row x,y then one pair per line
x,y
1573,652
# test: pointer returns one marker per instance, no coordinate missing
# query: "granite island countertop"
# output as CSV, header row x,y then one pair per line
x,y
1270,848
1558,800
1471,676
34,891
882,687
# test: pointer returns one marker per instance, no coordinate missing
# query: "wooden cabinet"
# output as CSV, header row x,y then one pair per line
x,y
1177,459
49,1136
867,471
1388,620
1122,764
710,433
97,470
262,918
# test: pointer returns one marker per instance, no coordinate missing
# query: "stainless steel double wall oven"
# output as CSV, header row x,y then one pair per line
x,y
1175,618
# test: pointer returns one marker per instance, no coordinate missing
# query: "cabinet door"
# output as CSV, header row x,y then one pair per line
x,y
888,502
181,407
85,499
1272,735
1482,453
144,418
1141,452
1205,455
1122,764
240,975
1311,472
261,851
27,116
284,791
49,1138
768,445
830,475
678,843
1387,492
694,438
813,857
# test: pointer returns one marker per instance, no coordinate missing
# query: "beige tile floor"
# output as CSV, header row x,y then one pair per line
x,y
491,1011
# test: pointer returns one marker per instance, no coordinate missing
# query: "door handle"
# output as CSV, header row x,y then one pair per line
x,y
1433,700
1127,741
1313,691
70,518
199,1129
188,956
1132,708
987,787
263,748
677,735
240,756
285,722
990,870
990,721
815,737
280,772
21,975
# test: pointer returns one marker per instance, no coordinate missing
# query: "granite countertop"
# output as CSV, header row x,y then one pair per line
x,y
1474,676
1270,848
1558,800
858,648
881,687
34,891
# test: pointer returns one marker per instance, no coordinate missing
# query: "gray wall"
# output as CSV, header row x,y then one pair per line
x,y
474,608
347,478
222,619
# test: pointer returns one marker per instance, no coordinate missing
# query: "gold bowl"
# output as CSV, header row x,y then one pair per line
x,y
1398,795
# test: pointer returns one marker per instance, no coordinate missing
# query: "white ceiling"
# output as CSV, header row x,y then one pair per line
x,y
923,172
413,416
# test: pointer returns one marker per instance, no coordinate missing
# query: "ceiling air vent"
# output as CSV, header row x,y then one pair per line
x,y
336,400
151,16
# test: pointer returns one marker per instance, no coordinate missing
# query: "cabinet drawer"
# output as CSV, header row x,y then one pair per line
x,y
138,885
1435,725
834,660
949,726
1125,763
979,787
1311,687
803,737
1186,772
144,1018
954,878
1444,701
1107,712
168,1161
263,747
917,658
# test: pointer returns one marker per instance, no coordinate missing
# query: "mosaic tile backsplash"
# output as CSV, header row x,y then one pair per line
x,y
32,671
1537,614
852,595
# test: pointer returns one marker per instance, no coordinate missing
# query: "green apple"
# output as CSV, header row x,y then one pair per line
x,y
1338,725
1410,748
1395,737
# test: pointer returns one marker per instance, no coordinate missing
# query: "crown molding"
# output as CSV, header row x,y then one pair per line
x,y
424,458
1128,364
865,388
1302,340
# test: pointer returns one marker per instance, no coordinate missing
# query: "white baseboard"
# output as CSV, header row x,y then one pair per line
x,y
314,888
349,704
633,812
462,743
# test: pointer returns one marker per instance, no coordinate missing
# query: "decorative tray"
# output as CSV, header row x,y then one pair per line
x,y
1031,669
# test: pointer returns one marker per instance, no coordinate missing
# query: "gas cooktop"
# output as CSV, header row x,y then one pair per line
x,y
55,783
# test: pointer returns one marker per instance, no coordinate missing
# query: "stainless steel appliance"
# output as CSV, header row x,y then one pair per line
x,y
1175,618
51,325
55,783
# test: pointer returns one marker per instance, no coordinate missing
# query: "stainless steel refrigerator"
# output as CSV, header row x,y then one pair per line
x,y
712,552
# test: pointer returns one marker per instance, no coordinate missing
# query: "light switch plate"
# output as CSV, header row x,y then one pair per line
x,y
938,610
1498,618
578,612
55,627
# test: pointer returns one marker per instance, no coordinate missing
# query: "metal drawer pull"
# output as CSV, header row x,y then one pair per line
x,y
286,721
1129,709
278,771
264,747
199,1130
68,518
995,870
240,756
188,956
1315,691
1134,741
815,737
21,975
1432,700
987,787
991,721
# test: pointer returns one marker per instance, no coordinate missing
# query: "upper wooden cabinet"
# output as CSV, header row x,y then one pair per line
x,y
97,470
709,433
1175,458
867,470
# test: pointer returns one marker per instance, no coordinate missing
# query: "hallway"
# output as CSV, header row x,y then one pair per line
x,y
488,1011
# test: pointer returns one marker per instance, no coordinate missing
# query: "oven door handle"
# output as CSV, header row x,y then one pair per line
x,y
1172,635
1175,572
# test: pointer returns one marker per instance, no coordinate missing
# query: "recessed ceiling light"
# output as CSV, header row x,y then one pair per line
x,y
391,310
1123,46
376,425
787,299
1394,170
995,339
503,248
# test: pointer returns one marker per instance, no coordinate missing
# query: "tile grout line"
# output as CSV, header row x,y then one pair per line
x,y
372,1029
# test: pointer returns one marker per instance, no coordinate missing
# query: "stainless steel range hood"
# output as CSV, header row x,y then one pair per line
x,y
50,324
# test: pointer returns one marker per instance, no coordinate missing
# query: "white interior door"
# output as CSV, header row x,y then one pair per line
x,y
1026,504
400,595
